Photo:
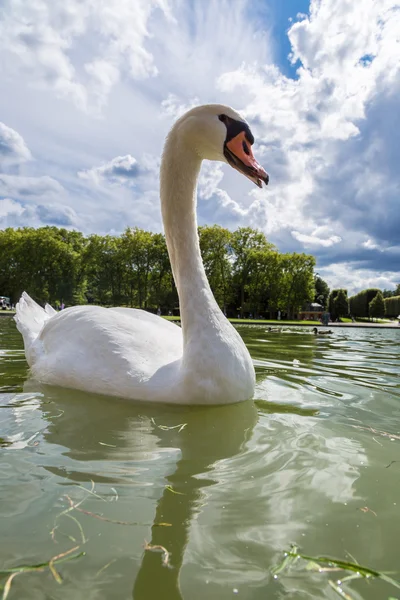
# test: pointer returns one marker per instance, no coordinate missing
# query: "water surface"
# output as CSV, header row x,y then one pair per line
x,y
312,462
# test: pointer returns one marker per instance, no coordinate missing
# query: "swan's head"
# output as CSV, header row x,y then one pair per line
x,y
217,132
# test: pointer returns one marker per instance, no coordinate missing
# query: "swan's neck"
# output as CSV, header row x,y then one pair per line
x,y
216,364
179,171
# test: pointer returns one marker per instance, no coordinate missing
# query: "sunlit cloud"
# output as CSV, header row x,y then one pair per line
x,y
12,146
92,90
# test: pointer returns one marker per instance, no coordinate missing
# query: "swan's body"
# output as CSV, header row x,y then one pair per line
x,y
134,354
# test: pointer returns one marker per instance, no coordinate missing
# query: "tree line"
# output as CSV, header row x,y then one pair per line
x,y
372,303
369,303
247,274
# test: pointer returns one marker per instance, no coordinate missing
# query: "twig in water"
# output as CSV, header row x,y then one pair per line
x,y
167,428
52,568
391,463
105,567
40,566
392,436
379,444
358,571
65,513
289,559
14,571
96,516
57,416
53,534
365,509
92,493
84,540
7,587
158,548
170,489
338,589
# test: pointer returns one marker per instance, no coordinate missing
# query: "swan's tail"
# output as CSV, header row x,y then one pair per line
x,y
30,318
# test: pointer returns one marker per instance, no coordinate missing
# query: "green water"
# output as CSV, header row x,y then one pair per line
x,y
226,495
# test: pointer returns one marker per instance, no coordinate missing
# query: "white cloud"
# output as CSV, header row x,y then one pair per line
x,y
215,200
12,146
14,214
348,276
9,207
119,170
40,38
211,176
327,136
325,169
174,108
314,240
25,187
369,244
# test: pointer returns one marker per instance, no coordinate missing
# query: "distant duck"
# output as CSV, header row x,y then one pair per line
x,y
316,332
273,329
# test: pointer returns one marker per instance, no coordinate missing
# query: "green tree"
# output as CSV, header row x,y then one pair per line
x,y
163,292
215,246
105,270
265,281
44,261
10,281
138,250
392,306
341,306
297,281
359,304
388,293
321,291
377,306
244,269
244,241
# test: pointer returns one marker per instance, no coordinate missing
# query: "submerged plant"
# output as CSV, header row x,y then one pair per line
x,y
325,564
50,564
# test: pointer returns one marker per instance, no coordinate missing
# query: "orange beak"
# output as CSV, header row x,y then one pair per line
x,y
239,155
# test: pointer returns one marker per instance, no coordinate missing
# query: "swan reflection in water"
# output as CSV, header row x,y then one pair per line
x,y
78,421
90,438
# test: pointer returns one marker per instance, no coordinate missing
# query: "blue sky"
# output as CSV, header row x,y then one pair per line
x,y
89,90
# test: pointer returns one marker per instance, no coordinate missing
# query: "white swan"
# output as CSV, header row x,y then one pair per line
x,y
134,354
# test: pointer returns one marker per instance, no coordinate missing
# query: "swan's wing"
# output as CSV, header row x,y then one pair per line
x,y
50,310
30,319
146,317
110,351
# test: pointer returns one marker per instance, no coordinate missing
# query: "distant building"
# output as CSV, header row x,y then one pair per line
x,y
311,312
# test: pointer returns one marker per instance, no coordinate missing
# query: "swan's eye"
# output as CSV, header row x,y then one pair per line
x,y
246,148
223,118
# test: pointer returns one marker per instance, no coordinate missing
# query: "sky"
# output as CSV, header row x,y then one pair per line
x,y
90,88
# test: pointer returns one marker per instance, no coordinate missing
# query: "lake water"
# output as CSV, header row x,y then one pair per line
x,y
314,461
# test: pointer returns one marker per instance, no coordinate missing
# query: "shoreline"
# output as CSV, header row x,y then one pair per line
x,y
262,323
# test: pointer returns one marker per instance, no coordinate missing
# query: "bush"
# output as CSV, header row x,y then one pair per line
x,y
338,303
392,306
377,306
359,304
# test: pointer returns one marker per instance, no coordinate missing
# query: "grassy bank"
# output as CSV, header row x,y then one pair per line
x,y
260,321
344,321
